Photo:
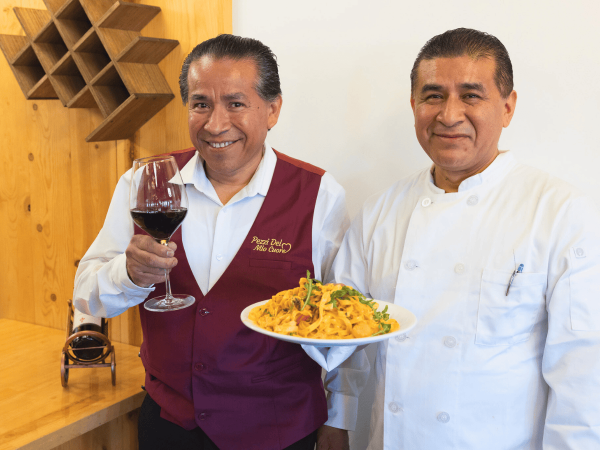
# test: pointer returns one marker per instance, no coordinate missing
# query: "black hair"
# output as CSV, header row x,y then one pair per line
x,y
473,43
235,47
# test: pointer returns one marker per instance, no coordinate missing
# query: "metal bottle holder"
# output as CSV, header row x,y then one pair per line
x,y
69,359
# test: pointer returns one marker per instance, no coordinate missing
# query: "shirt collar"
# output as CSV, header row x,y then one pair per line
x,y
193,173
503,163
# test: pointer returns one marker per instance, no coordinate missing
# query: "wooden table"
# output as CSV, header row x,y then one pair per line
x,y
36,412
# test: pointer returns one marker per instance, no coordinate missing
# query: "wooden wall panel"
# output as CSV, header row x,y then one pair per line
x,y
46,163
16,276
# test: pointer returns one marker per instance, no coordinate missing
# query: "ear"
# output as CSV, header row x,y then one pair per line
x,y
274,110
412,103
509,108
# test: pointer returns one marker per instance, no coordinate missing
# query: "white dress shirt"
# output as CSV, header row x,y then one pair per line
x,y
481,369
212,233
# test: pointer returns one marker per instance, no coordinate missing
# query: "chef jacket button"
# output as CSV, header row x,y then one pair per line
x,y
450,341
199,367
459,268
472,200
203,416
579,252
443,417
401,337
219,257
426,202
393,406
410,265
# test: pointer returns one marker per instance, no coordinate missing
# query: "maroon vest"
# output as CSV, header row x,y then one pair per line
x,y
204,367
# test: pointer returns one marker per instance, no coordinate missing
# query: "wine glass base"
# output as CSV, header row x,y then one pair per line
x,y
177,301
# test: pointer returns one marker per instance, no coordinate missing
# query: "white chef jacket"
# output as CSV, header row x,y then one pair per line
x,y
481,369
212,233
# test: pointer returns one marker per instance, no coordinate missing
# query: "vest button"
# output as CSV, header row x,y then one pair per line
x,y
203,312
199,367
203,416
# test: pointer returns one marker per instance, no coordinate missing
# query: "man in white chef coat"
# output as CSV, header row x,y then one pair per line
x,y
500,263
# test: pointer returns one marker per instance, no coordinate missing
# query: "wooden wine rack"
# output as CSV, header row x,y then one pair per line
x,y
90,54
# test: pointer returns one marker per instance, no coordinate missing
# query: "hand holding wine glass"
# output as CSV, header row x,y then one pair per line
x,y
158,204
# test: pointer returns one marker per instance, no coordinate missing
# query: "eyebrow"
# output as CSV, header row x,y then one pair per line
x,y
473,87
234,96
430,87
465,86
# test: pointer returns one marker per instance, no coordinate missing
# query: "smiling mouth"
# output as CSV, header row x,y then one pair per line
x,y
220,144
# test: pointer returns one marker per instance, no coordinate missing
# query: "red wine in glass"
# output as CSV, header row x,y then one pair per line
x,y
158,204
159,224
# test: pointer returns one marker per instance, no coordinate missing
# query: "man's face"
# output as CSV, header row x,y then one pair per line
x,y
227,119
459,113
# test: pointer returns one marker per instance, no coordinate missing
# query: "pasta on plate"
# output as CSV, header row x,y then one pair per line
x,y
323,311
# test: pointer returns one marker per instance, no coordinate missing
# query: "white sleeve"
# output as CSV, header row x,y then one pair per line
x,y
345,383
102,286
330,222
571,361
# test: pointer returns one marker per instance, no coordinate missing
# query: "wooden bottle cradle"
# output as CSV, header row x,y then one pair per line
x,y
69,360
90,54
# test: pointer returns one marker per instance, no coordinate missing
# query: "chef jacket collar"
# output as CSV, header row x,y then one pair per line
x,y
503,163
193,173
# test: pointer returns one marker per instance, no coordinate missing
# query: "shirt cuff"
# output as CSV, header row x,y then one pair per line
x,y
342,411
117,292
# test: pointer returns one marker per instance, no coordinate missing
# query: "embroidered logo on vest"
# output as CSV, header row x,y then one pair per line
x,y
270,245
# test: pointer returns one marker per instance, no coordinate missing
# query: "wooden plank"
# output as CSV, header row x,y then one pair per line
x,y
66,66
16,277
28,77
128,16
91,64
143,78
129,116
43,414
95,9
49,54
13,46
70,10
146,50
115,41
83,99
43,90
93,181
26,57
32,20
72,30
49,34
51,212
109,98
67,86
54,6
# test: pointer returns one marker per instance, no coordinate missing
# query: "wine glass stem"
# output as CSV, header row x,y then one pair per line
x,y
169,297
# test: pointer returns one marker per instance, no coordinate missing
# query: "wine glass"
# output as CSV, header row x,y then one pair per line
x,y
158,204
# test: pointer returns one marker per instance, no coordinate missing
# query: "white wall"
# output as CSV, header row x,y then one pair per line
x,y
345,66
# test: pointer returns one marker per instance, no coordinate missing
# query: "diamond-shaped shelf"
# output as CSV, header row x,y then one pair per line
x,y
90,54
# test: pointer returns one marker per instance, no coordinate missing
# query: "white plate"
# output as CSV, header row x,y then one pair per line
x,y
405,318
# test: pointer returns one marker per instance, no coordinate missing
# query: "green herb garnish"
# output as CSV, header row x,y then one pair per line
x,y
309,288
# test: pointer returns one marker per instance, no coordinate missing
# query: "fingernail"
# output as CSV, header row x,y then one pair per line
x,y
170,254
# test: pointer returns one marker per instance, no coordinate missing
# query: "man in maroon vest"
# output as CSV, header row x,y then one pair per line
x,y
257,220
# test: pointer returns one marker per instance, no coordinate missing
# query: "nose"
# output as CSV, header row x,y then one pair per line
x,y
218,121
452,112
